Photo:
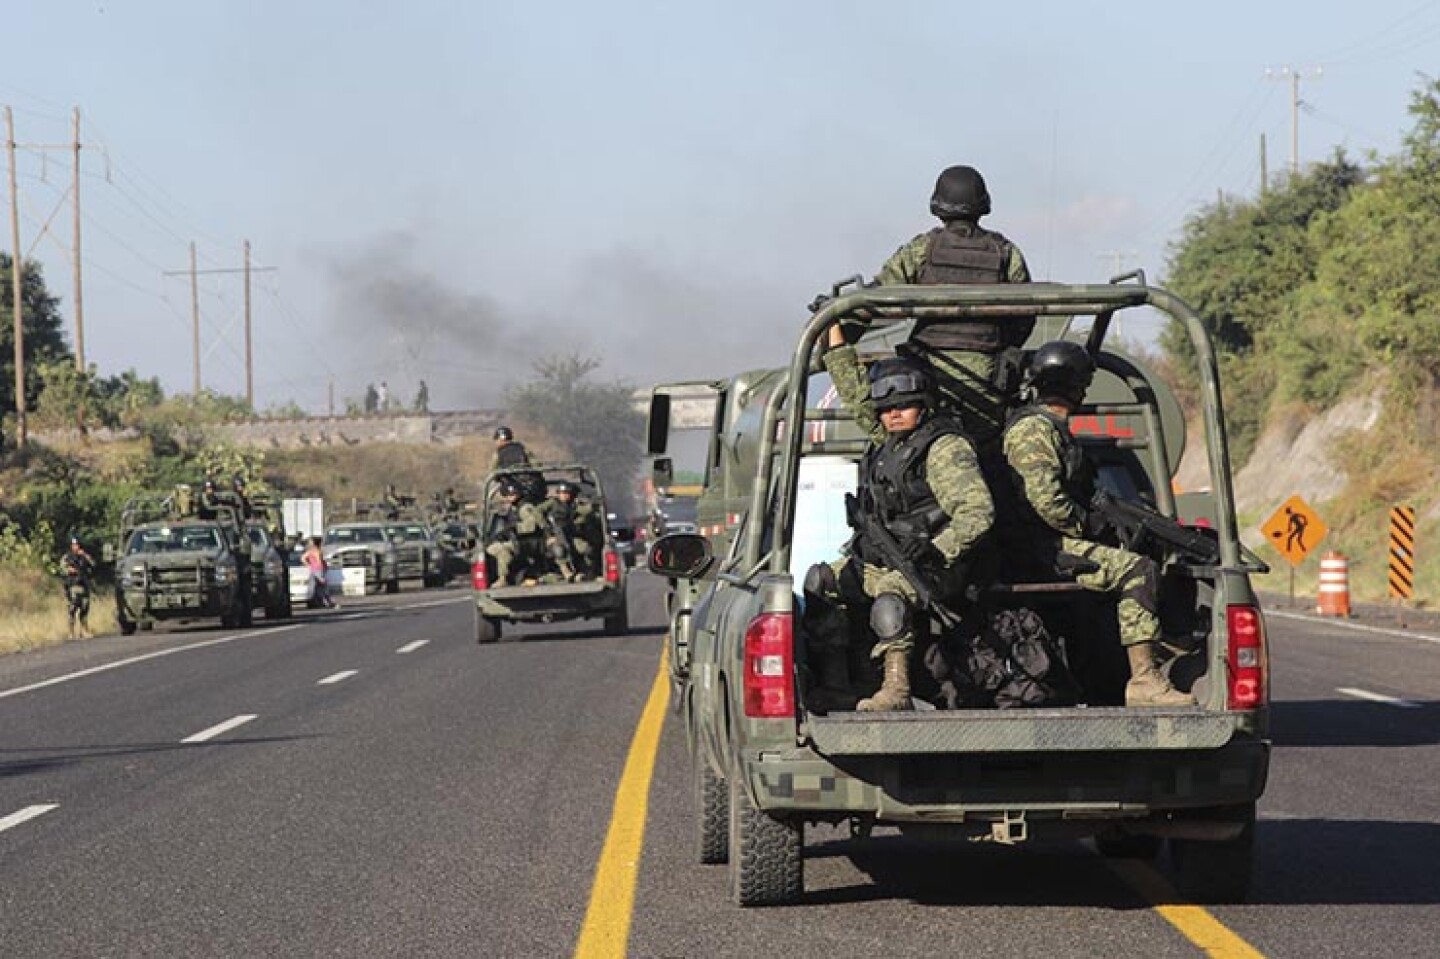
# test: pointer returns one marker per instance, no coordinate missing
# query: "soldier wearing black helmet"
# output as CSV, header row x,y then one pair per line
x,y
966,352
1051,486
920,478
514,534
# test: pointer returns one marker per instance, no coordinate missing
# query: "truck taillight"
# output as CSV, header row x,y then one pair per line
x,y
479,574
1246,658
770,667
612,567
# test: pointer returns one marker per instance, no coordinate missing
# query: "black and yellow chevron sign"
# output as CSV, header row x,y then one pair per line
x,y
1402,552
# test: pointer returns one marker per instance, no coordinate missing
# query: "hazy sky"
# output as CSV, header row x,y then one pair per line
x,y
448,191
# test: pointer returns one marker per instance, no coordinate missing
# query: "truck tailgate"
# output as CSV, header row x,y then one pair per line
x,y
1016,730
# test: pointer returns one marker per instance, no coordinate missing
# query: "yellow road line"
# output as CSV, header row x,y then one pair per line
x,y
606,930
1193,922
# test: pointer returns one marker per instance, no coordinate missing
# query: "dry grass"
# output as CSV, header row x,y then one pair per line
x,y
342,473
34,606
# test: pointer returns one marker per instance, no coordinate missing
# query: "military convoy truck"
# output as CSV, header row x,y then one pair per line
x,y
1132,779
367,545
176,564
538,597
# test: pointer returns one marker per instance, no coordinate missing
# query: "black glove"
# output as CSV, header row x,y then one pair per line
x,y
1094,525
919,551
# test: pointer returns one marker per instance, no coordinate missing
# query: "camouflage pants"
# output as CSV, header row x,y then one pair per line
x,y
1127,575
504,553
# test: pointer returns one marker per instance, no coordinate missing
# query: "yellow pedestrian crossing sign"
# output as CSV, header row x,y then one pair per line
x,y
1294,530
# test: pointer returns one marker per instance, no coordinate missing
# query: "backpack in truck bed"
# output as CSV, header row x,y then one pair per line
x,y
1015,662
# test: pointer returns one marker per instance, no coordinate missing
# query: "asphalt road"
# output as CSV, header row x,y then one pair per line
x,y
400,791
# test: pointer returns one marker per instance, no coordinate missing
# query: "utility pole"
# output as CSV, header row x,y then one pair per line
x,y
1264,168
16,285
249,366
195,316
75,253
247,268
1294,74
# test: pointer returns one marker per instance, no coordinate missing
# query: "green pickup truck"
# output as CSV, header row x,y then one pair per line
x,y
1132,779
535,591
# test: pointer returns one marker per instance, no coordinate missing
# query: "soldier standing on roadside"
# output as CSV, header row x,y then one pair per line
x,y
921,480
77,570
1052,485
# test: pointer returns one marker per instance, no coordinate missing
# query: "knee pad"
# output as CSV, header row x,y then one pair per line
x,y
820,582
890,617
1143,586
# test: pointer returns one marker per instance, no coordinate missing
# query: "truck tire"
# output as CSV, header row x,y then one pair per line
x,y
487,630
712,814
393,586
1210,872
618,622
127,626
767,867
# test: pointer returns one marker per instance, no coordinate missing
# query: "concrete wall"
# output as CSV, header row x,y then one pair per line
x,y
419,428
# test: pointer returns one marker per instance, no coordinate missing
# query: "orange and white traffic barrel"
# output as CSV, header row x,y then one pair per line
x,y
1334,598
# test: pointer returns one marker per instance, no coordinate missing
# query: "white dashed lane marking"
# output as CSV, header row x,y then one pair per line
x,y
411,647
339,677
213,731
25,815
1377,697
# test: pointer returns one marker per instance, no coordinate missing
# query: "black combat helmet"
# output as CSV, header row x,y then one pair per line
x,y
508,487
960,194
899,381
504,433
1061,368
565,486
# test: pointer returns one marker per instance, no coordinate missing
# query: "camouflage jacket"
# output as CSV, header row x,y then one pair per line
x,y
1036,451
904,264
952,470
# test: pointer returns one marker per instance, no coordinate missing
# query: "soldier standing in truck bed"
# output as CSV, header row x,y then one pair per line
x,y
978,355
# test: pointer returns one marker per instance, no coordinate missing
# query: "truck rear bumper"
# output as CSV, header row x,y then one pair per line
x,y
1101,786
550,602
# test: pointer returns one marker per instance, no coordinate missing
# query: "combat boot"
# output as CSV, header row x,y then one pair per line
x,y
1148,686
832,693
894,692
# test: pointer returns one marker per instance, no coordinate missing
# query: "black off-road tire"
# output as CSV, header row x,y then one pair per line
x,y
618,622
1210,872
487,629
127,627
393,586
767,865
712,814
1121,846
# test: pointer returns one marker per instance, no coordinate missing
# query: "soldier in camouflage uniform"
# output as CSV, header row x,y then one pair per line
x,y
514,527
965,351
1052,487
921,479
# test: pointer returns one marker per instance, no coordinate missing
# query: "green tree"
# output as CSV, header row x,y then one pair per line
x,y
597,422
44,340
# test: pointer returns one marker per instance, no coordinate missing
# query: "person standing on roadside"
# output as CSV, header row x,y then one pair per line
x,y
314,560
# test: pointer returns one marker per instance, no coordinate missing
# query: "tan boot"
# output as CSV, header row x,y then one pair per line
x,y
894,693
1148,686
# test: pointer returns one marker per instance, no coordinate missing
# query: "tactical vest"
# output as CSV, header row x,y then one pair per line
x,y
964,253
1077,479
511,454
894,490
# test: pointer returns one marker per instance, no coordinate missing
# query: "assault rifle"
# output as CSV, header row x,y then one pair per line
x,y
1140,528
876,534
